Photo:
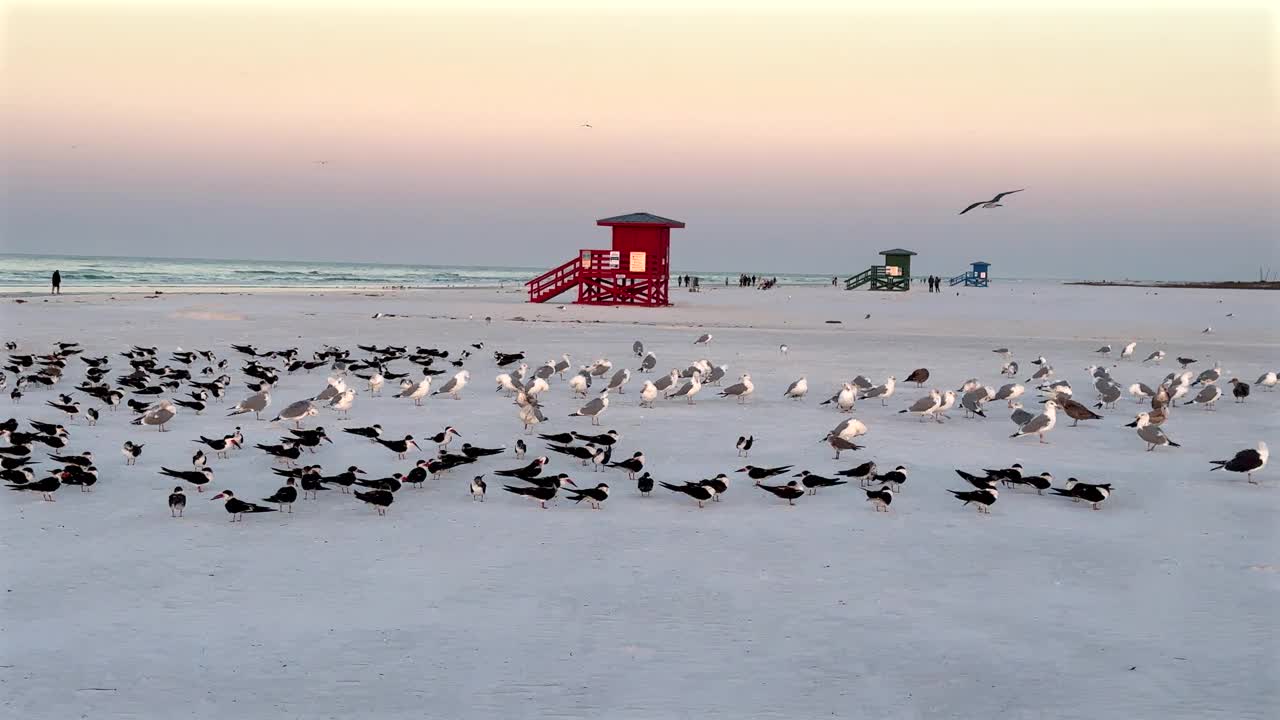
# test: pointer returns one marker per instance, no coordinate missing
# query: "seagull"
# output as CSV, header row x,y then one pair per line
x,y
703,339
255,404
783,349
741,390
585,125
1150,434
297,412
1104,350
1040,424
1127,351
1246,461
925,406
594,408
454,386
1207,396
797,389
884,392
993,202
648,393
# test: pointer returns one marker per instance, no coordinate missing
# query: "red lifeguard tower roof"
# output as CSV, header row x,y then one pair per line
x,y
640,218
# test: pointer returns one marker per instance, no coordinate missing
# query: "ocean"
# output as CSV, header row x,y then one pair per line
x,y
27,272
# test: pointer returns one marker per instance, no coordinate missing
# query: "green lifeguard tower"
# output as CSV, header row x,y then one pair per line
x,y
894,275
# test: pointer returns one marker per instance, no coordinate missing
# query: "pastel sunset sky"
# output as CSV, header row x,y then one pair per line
x,y
790,136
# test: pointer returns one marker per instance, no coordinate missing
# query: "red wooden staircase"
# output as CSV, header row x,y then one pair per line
x,y
554,281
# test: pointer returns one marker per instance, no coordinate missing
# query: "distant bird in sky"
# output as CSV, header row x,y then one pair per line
x,y
992,203
586,125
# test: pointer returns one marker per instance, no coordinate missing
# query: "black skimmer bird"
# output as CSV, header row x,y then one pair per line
x,y
880,498
1095,495
478,488
812,482
983,498
759,473
444,437
45,486
644,484
744,445
520,449
177,502
474,452
344,479
71,409
1246,461
700,492
197,405
310,439
633,465
603,440
131,451
391,484
399,447
199,477
373,432
92,416
220,446
595,496
417,474
982,483
286,495
287,451
199,460
789,492
528,472
864,472
17,475
895,477
238,508
379,499
558,438
84,459
311,482
540,493
992,203
85,477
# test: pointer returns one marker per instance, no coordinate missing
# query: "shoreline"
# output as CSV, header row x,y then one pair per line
x,y
1183,284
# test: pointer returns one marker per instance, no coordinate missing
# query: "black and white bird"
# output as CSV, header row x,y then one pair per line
x,y
221,446
45,486
984,499
993,202
789,492
744,445
379,499
399,447
473,451
478,488
199,477
982,483
1246,461
1151,434
644,484
539,493
880,498
444,437
286,495
894,478
595,496
238,508
701,493
528,472
372,432
633,465
1095,495
812,481
131,452
864,472
177,502
759,473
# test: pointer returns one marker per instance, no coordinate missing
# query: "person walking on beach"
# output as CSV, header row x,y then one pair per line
x,y
57,283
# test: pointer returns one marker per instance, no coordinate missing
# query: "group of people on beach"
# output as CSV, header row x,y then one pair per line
x,y
935,284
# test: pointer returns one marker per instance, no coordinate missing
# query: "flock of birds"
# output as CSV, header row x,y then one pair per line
x,y
157,391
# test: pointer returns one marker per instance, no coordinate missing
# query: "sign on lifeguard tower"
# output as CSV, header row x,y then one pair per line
x,y
637,262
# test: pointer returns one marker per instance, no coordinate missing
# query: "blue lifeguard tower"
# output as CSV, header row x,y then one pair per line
x,y
976,277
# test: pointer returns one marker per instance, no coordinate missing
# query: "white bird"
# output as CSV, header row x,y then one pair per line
x,y
536,387
648,393
1042,423
1141,392
1268,380
562,365
847,397
1246,461
619,379
948,402
453,388
601,367
1127,351
783,349
530,414
296,412
375,383
848,429
504,384
884,392
255,404
343,402
797,389
157,415
704,339
1010,392
580,382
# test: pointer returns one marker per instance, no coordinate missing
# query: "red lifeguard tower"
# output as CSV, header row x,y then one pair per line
x,y
636,271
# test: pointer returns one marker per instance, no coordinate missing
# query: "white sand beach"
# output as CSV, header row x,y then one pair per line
x,y
1161,604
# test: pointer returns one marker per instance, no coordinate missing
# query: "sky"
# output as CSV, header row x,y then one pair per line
x,y
789,136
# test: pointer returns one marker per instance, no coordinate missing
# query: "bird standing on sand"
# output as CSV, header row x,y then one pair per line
x,y
1150,434
703,339
255,404
797,390
1246,461
1040,424
595,408
993,202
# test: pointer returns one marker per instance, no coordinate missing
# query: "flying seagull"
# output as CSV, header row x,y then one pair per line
x,y
992,203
